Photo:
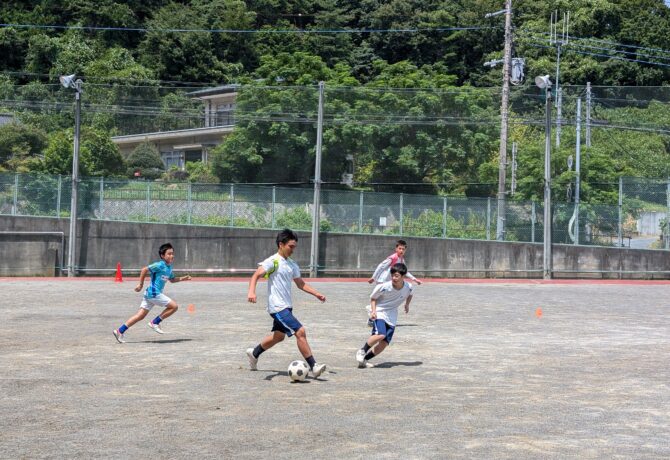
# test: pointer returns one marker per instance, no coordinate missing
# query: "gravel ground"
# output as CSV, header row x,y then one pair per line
x,y
473,372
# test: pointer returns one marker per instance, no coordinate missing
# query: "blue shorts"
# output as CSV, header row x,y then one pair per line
x,y
381,327
285,322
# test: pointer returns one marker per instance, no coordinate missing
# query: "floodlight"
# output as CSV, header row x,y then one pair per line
x,y
67,80
543,82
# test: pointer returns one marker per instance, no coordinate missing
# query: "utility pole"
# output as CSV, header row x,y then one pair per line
x,y
504,119
588,114
554,40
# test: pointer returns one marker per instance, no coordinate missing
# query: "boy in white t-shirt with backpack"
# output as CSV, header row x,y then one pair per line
x,y
280,270
385,300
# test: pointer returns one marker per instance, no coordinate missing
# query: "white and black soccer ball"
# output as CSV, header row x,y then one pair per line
x,y
297,371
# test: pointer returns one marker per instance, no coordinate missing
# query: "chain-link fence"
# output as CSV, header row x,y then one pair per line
x,y
641,214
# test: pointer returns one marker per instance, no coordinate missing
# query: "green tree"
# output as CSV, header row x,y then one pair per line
x,y
21,146
146,161
98,155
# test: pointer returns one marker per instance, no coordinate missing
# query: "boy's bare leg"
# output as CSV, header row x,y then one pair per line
x,y
170,310
381,346
139,316
301,341
374,340
272,340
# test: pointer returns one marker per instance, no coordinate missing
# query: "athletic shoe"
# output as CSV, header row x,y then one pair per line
x,y
318,369
360,356
156,327
253,361
118,336
370,322
365,365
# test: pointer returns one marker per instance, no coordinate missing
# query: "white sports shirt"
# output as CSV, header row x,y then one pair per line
x,y
281,272
389,299
382,273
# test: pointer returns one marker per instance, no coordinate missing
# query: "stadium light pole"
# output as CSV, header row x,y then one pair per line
x,y
68,81
544,82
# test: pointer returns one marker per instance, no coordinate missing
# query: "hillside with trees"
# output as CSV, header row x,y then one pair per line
x,y
407,94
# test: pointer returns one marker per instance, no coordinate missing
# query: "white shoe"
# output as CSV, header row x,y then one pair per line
x,y
360,356
253,361
118,336
365,365
156,327
318,369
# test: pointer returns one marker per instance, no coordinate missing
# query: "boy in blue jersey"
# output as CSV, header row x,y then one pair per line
x,y
384,303
280,270
161,272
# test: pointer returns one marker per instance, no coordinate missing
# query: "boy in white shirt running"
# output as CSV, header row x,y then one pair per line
x,y
382,272
280,270
384,303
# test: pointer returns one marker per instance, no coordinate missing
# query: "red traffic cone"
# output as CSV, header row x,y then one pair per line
x,y
119,276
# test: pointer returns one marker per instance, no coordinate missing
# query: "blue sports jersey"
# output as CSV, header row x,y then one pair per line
x,y
160,274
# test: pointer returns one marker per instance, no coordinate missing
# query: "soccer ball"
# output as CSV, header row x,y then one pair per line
x,y
297,371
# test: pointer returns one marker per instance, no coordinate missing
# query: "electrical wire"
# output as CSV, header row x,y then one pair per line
x,y
249,31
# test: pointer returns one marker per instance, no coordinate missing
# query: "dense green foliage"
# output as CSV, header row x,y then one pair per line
x,y
420,132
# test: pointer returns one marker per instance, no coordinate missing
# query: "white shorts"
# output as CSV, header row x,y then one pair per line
x,y
160,299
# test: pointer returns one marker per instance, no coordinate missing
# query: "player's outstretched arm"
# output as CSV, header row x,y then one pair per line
x,y
251,295
309,289
407,302
143,274
178,279
381,268
414,278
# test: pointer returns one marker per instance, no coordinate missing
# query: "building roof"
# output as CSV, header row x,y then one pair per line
x,y
225,89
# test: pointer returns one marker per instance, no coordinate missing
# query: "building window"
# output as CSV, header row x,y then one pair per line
x,y
224,115
174,158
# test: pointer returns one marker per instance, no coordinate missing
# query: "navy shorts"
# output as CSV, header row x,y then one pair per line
x,y
285,322
381,327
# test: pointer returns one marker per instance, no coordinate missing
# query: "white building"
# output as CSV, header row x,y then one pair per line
x,y
179,146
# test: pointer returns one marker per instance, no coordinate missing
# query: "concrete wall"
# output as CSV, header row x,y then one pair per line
x,y
202,250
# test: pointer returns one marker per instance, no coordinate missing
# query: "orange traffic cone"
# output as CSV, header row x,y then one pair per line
x,y
119,276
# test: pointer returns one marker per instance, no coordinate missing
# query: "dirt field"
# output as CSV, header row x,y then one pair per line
x,y
473,372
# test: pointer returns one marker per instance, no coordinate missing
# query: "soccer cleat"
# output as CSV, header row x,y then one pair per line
x,y
253,361
156,327
118,336
365,365
318,369
360,356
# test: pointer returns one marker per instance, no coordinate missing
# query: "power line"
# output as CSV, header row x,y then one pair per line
x,y
623,45
249,31
609,56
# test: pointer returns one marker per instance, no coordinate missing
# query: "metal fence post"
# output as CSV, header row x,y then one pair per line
x,y
148,200
533,219
189,195
101,199
15,205
360,213
444,217
401,213
274,200
620,223
232,205
58,195
488,219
